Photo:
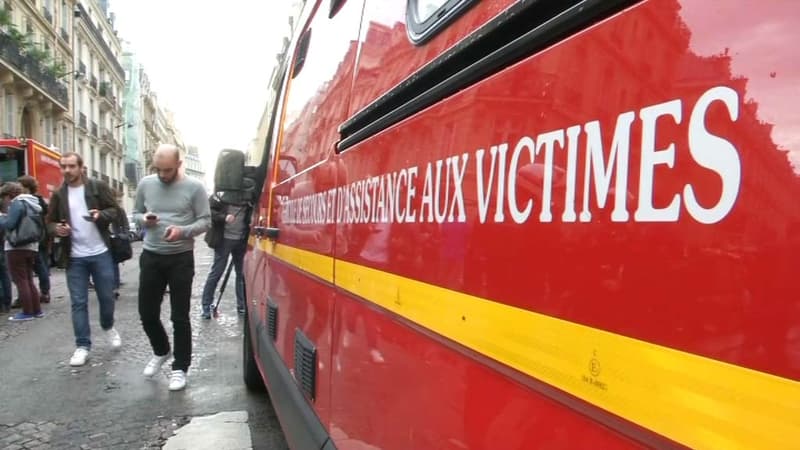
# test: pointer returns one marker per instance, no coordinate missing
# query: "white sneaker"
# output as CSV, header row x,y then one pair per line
x,y
177,380
114,338
79,357
154,365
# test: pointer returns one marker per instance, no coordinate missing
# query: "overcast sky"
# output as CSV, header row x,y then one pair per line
x,y
208,62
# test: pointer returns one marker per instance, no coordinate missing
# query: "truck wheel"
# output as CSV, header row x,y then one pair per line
x,y
250,373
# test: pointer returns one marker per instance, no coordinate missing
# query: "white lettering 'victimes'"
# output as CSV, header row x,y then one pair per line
x,y
392,197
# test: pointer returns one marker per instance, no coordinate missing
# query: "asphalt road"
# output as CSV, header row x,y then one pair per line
x,y
45,403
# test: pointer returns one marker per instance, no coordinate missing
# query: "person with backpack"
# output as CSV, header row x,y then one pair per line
x,y
80,213
120,229
24,229
228,238
42,266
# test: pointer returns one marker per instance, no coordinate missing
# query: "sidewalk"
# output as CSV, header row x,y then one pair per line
x,y
108,403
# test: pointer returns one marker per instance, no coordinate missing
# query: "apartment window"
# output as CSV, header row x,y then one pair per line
x,y
103,164
64,138
91,109
91,155
48,131
80,100
64,15
9,110
80,146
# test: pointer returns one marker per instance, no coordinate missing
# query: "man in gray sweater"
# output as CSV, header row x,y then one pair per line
x,y
173,209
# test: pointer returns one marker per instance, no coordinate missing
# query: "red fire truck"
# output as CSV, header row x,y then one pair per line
x,y
22,156
531,224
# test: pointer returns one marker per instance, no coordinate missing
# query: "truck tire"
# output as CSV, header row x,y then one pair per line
x,y
250,373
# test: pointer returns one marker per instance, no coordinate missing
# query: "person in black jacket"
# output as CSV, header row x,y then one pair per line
x,y
228,238
80,213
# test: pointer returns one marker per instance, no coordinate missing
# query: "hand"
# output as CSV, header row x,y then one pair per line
x,y
229,218
63,230
172,233
95,214
149,223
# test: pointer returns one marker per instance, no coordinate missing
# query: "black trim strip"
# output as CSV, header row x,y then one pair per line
x,y
299,422
500,43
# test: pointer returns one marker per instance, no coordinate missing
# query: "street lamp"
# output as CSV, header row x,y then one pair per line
x,y
77,74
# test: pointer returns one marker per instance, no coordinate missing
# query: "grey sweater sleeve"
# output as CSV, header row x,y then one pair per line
x,y
202,212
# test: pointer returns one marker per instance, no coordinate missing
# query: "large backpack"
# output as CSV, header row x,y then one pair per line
x,y
29,229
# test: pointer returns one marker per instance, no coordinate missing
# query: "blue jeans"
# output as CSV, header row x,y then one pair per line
x,y
5,280
226,248
100,268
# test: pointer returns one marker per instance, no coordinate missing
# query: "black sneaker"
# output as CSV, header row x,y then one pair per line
x,y
207,315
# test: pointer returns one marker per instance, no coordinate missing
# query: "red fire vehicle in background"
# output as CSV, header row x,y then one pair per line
x,y
22,156
531,224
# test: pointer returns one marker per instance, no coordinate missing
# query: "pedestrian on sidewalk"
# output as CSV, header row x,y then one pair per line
x,y
42,266
228,238
80,213
22,256
5,279
119,227
173,208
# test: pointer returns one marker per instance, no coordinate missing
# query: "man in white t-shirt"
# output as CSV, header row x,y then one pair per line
x,y
80,214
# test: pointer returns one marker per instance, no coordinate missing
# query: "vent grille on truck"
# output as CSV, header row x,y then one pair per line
x,y
305,364
272,320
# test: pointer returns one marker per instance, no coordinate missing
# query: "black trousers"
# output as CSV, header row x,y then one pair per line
x,y
156,271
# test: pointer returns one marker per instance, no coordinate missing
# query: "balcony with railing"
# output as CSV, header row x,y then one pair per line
x,y
82,120
109,101
107,142
94,129
13,55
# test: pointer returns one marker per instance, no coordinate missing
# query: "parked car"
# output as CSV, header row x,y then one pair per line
x,y
134,229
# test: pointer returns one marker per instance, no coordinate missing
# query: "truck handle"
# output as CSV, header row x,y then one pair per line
x,y
266,232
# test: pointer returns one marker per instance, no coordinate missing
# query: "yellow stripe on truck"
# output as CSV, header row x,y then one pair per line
x,y
314,263
694,400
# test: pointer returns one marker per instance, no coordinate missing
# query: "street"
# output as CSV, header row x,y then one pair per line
x,y
108,403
